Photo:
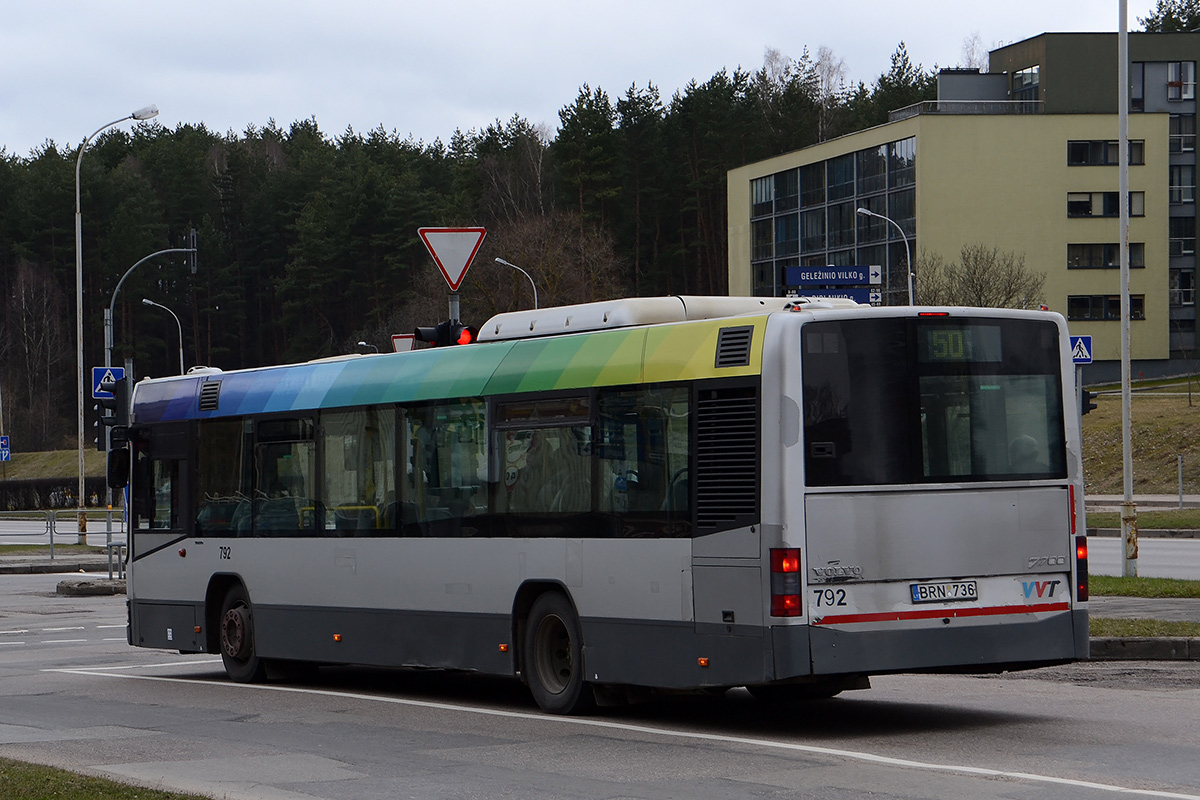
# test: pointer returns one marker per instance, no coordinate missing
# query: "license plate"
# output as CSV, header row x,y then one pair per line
x,y
947,592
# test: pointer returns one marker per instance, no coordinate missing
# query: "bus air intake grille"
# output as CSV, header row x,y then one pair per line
x,y
727,461
210,395
733,346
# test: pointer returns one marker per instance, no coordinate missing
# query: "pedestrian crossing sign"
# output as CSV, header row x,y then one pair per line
x,y
1081,349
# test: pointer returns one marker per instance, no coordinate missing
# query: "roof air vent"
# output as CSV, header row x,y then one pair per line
x,y
733,346
210,395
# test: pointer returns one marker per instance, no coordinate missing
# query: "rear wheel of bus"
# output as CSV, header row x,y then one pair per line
x,y
553,657
238,651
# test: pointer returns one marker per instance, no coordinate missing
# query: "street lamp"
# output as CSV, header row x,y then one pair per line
x,y
526,274
108,312
907,253
365,345
146,302
149,112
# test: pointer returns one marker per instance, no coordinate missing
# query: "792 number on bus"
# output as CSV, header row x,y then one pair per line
x,y
829,597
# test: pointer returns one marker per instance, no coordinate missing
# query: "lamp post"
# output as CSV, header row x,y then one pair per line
x,y
526,274
149,112
146,302
108,312
907,253
365,345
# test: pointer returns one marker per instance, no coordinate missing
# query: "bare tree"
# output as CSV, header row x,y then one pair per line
x,y
982,276
974,54
831,90
34,343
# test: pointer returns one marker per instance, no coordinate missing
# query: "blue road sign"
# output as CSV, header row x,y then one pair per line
x,y
104,374
864,296
832,276
1081,349
5,452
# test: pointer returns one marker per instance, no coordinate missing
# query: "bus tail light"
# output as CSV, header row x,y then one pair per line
x,y
1081,569
785,582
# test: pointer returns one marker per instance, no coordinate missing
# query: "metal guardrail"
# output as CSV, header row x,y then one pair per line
x,y
50,521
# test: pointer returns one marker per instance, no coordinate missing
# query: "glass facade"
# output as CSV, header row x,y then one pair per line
x,y
807,216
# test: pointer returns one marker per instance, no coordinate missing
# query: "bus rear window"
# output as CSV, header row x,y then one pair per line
x,y
902,401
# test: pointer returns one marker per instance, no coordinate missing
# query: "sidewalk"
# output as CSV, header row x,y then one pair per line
x,y
96,582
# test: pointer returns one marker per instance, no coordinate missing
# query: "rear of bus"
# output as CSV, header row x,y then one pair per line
x,y
942,476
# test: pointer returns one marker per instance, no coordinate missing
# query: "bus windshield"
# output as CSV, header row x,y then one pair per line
x,y
930,400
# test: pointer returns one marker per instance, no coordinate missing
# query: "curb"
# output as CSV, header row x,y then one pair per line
x,y
91,588
1165,648
48,567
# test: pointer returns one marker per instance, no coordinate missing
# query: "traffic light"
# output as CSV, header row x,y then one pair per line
x,y
444,334
112,414
1087,400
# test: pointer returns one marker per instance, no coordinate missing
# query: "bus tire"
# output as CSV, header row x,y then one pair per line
x,y
238,651
553,657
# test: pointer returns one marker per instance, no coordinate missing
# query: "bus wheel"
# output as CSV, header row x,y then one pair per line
x,y
238,653
553,657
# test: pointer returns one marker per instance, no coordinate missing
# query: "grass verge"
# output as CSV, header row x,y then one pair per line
x,y
1175,519
21,781
1106,585
1104,626
44,550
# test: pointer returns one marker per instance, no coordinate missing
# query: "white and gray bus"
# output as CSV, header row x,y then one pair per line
x,y
675,493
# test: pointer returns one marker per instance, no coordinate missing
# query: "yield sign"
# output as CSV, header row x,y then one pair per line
x,y
453,249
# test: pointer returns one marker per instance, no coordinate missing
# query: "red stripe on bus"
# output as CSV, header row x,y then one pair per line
x,y
939,613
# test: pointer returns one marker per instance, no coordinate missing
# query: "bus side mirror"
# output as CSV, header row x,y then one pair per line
x,y
118,468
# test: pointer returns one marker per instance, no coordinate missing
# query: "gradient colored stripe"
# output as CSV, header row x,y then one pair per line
x,y
606,358
939,613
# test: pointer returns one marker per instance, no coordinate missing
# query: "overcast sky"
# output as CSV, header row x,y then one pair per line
x,y
427,68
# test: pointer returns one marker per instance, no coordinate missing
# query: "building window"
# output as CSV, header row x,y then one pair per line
x,y
1104,256
1183,133
1182,188
812,184
1103,204
840,179
1137,84
1104,307
762,196
761,234
872,169
812,230
841,225
902,161
787,190
1025,83
1181,80
787,235
1183,236
1101,153
1182,287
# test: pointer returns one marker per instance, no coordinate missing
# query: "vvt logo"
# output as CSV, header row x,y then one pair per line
x,y
1043,588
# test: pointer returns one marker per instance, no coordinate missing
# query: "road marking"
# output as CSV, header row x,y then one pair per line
x,y
13,633
102,627
60,630
12,642
115,639
63,641
852,755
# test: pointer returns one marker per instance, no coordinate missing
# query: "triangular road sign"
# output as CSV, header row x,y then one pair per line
x,y
453,249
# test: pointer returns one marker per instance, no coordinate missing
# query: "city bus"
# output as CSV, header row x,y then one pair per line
x,y
619,498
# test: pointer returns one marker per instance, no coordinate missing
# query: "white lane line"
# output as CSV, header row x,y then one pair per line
x,y
60,630
14,633
102,627
63,641
115,639
11,642
853,755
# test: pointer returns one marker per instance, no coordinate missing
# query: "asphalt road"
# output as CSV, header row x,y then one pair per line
x,y
74,694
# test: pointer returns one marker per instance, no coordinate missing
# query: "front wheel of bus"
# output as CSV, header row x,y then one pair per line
x,y
554,657
238,651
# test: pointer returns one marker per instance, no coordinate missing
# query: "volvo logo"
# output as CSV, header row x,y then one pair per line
x,y
834,571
